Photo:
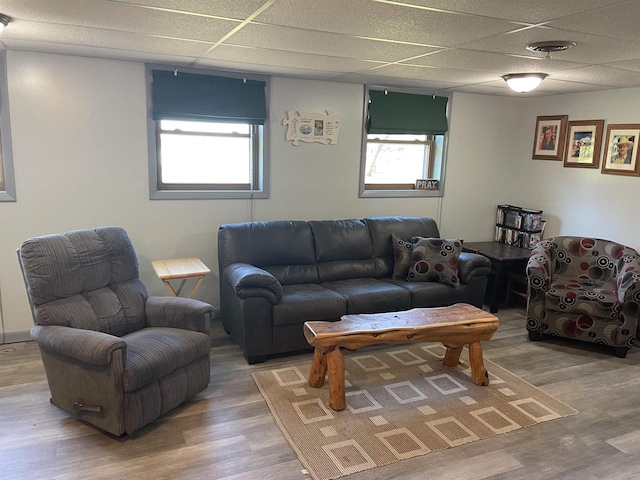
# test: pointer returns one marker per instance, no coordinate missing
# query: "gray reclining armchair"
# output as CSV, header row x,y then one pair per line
x,y
114,356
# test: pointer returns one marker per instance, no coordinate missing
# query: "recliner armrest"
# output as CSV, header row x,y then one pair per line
x,y
250,281
628,279
177,312
88,346
472,265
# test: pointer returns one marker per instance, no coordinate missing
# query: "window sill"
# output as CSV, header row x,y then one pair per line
x,y
205,194
400,193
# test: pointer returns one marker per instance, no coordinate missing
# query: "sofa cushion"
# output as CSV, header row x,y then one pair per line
x,y
369,295
435,260
301,303
154,352
381,229
430,294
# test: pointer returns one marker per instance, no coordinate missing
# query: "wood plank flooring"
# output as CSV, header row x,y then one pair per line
x,y
228,433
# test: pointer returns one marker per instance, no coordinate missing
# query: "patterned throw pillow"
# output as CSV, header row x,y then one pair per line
x,y
402,250
435,260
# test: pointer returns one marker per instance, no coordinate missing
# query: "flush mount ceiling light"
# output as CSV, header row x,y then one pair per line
x,y
550,46
524,82
4,21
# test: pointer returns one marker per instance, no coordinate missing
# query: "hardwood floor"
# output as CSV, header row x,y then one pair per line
x,y
227,431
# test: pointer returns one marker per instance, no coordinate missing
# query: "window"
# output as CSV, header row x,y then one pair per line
x,y
207,136
404,142
7,184
196,155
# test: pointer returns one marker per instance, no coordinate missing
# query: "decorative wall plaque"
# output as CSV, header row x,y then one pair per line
x,y
312,127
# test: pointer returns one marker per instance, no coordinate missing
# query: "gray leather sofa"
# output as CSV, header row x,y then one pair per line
x,y
274,276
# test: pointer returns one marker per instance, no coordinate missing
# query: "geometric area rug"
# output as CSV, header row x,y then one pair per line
x,y
401,403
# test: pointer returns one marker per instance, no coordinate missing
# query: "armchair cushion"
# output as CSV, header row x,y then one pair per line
x,y
435,260
154,352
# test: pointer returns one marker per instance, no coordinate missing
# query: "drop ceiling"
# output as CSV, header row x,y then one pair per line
x,y
438,45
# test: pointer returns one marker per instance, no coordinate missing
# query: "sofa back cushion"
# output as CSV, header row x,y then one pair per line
x,y
283,248
343,249
382,228
85,279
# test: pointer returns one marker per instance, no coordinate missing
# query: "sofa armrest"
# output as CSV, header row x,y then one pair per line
x,y
628,279
250,281
472,265
87,346
177,312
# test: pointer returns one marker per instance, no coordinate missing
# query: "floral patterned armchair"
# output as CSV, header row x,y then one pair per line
x,y
586,289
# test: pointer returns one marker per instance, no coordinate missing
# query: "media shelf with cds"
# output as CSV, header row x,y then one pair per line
x,y
517,226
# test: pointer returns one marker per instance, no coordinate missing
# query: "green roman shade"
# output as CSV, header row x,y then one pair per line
x,y
188,96
397,113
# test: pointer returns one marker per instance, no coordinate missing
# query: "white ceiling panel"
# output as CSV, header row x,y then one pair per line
x,y
459,45
382,20
490,62
95,37
238,9
618,21
521,11
589,49
323,43
261,56
599,75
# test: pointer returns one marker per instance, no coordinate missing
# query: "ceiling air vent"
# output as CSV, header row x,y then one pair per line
x,y
550,46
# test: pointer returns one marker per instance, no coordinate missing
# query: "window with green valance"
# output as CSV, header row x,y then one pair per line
x,y
405,113
189,96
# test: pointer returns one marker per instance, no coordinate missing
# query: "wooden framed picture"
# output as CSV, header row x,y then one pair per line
x,y
584,142
549,137
621,153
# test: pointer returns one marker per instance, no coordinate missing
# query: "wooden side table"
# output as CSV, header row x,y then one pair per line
x,y
505,259
180,269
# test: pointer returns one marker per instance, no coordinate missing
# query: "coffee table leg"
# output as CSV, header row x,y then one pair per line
x,y
335,362
452,357
318,368
479,374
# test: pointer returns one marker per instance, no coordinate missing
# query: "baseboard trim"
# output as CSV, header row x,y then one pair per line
x,y
16,337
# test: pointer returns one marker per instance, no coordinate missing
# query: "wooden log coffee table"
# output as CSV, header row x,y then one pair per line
x,y
455,326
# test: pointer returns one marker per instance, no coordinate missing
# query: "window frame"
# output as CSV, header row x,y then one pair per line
x,y
8,186
388,190
260,145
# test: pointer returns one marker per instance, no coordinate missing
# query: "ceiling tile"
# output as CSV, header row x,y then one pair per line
x,y
382,81
238,9
532,12
626,65
435,74
122,17
323,43
589,49
261,56
262,69
489,62
94,37
600,75
618,21
108,53
385,21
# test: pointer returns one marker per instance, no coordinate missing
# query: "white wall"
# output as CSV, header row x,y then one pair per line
x,y
579,201
80,158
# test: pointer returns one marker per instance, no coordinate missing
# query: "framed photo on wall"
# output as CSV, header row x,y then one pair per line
x,y
549,137
621,153
584,142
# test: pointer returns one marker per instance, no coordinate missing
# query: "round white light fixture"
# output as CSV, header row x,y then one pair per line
x,y
524,82
4,21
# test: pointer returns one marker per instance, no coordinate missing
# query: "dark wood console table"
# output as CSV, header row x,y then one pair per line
x,y
505,259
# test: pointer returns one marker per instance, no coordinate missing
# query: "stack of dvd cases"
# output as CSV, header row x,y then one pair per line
x,y
517,226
